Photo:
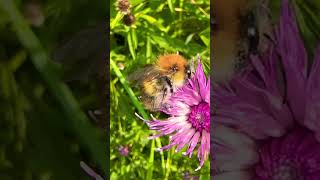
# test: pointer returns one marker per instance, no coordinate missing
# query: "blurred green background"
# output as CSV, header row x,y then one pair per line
x,y
152,28
52,97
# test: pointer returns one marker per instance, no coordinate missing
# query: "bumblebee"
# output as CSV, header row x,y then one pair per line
x,y
239,28
158,81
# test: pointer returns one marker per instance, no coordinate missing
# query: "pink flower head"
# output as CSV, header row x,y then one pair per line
x,y
252,102
294,156
273,105
189,121
124,150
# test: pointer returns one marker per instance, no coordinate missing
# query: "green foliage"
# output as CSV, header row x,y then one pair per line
x,y
44,130
308,19
308,16
160,27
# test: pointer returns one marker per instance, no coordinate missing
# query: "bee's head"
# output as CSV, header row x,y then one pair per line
x,y
171,63
175,67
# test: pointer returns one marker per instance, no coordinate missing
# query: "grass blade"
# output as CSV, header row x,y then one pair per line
x,y
168,165
171,6
148,49
134,38
150,163
131,46
141,111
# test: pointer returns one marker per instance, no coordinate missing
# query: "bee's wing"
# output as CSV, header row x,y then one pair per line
x,y
155,102
161,99
146,73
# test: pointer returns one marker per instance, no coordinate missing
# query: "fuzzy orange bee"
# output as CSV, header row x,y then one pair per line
x,y
158,81
239,28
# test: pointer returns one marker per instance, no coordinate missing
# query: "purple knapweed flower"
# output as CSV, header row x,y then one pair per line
x,y
267,122
124,150
189,121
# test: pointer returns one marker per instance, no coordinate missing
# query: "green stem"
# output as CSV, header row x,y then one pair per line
x,y
125,84
168,165
141,111
116,20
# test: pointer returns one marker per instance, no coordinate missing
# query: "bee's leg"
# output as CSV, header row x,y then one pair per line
x,y
164,92
168,81
164,95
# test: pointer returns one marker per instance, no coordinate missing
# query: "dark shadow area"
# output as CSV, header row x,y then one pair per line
x,y
54,91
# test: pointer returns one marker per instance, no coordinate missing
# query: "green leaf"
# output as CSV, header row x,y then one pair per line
x,y
116,21
131,46
17,60
154,21
148,49
171,6
150,162
189,38
134,38
205,40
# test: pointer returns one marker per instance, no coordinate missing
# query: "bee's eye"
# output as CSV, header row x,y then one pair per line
x,y
174,69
